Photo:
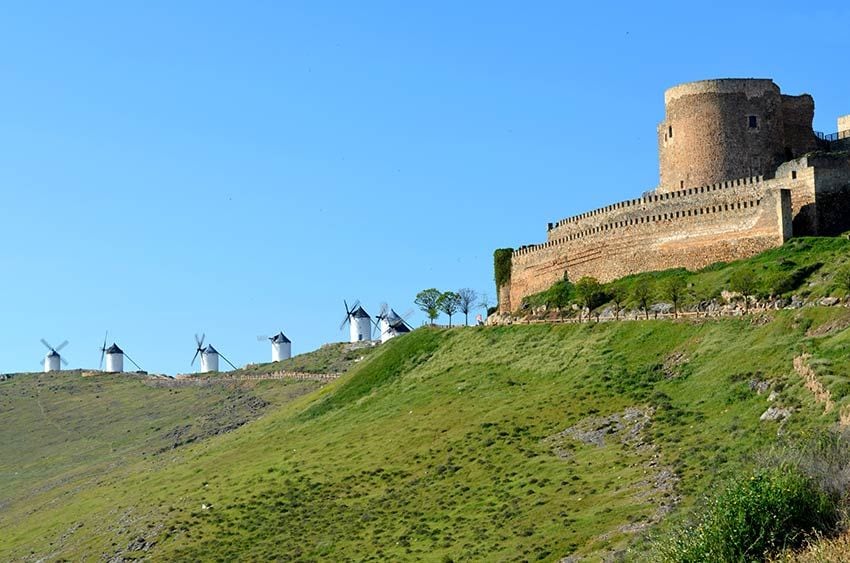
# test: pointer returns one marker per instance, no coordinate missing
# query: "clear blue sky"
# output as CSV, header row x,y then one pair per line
x,y
238,168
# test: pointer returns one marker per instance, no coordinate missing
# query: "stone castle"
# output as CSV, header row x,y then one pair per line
x,y
742,171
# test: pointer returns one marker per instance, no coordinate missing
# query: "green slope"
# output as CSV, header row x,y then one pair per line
x,y
451,444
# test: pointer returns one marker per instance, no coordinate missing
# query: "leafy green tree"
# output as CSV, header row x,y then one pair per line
x,y
466,302
588,291
426,300
745,282
642,293
618,296
673,289
449,303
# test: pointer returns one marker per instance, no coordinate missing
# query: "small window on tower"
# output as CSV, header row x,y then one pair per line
x,y
670,131
754,122
793,174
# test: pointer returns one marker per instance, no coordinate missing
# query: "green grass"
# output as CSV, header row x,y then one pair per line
x,y
439,445
330,358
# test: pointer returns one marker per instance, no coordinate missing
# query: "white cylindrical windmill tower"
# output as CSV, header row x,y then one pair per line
x,y
281,347
209,359
114,359
51,361
384,327
360,325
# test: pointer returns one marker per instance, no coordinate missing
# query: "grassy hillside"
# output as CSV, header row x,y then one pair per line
x,y
506,443
331,358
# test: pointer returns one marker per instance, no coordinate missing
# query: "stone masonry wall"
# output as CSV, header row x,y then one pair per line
x,y
691,230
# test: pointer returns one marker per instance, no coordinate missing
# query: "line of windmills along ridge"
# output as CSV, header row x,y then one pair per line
x,y
361,329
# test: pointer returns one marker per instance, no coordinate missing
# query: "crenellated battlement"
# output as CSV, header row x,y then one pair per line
x,y
646,218
656,198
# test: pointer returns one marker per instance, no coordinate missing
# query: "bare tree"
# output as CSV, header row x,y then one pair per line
x,y
485,303
466,302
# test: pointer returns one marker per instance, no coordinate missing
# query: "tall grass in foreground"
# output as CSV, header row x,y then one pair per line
x,y
795,495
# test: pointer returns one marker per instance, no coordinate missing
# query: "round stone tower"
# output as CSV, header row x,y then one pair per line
x,y
716,130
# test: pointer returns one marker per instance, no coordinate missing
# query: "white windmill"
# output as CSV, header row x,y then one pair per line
x,y
359,323
114,357
390,324
209,356
281,346
52,359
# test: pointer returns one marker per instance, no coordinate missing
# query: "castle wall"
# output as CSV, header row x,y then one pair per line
x,y
730,128
690,231
798,113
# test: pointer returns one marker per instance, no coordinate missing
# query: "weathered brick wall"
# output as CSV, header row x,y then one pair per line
x,y
706,136
690,231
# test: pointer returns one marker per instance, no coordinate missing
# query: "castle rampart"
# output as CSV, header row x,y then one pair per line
x,y
793,184
690,232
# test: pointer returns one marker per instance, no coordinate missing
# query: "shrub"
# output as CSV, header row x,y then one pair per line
x,y
753,518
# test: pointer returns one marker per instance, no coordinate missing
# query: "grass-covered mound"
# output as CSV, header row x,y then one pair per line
x,y
505,443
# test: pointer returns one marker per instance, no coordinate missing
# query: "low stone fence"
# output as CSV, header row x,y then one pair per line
x,y
203,381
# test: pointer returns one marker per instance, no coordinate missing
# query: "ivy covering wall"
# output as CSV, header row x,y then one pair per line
x,y
502,266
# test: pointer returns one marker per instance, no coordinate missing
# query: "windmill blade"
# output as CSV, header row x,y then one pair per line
x,y
195,356
347,319
407,314
46,345
61,346
226,360
347,310
355,305
383,311
103,349
64,361
132,362
200,340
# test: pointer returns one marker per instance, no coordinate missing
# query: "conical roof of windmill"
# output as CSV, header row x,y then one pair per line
x,y
393,317
280,338
210,350
359,313
114,349
53,354
400,326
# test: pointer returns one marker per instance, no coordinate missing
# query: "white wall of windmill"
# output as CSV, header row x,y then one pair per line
x,y
360,329
209,362
281,351
51,363
386,331
114,363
